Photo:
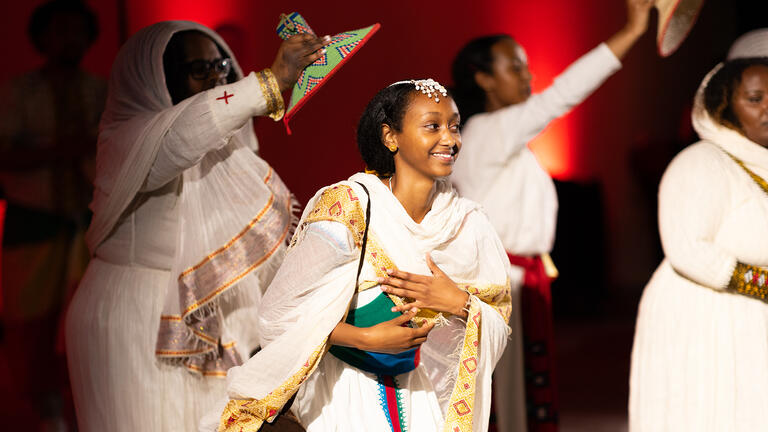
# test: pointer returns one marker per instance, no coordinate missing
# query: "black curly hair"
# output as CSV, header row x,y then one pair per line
x,y
387,107
43,15
475,56
718,94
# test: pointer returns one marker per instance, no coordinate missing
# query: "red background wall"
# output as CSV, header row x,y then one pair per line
x,y
640,109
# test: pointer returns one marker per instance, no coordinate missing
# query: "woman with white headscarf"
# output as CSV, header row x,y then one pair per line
x,y
699,356
189,226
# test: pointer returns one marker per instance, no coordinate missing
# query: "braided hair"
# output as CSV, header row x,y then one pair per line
x,y
388,107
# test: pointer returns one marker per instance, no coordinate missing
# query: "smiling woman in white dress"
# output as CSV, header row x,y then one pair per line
x,y
701,342
424,248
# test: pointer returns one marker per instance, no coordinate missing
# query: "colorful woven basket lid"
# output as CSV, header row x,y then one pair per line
x,y
342,47
676,19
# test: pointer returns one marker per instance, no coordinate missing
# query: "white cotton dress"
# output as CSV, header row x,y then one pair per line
x,y
155,200
497,169
315,287
700,351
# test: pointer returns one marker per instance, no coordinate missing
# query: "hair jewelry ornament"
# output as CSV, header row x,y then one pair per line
x,y
428,87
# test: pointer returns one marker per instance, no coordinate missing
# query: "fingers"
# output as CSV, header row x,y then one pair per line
x,y
424,330
311,58
309,43
400,292
407,307
399,283
403,319
412,277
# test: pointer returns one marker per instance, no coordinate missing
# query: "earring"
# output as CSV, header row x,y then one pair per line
x,y
392,149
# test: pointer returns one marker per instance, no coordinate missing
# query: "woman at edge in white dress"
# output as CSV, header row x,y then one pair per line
x,y
498,170
699,355
189,226
441,253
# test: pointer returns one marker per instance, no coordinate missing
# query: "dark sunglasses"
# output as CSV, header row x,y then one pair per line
x,y
201,69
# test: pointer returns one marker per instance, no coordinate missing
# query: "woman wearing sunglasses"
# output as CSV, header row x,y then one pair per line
x,y
189,226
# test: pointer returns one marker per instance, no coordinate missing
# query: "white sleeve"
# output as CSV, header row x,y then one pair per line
x,y
206,124
693,200
520,123
326,245
306,299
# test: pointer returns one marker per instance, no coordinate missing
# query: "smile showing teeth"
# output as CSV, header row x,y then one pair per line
x,y
447,157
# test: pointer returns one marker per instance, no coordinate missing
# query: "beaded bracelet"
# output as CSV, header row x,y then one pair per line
x,y
271,90
750,280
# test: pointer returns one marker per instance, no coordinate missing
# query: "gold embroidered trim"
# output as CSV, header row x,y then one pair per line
x,y
381,262
340,204
236,279
229,244
247,415
195,341
239,235
268,211
462,403
271,91
750,281
497,296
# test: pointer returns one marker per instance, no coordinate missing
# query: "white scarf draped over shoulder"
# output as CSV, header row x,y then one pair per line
x,y
312,291
234,211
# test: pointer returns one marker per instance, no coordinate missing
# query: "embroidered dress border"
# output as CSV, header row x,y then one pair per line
x,y
247,415
227,265
391,402
194,338
461,405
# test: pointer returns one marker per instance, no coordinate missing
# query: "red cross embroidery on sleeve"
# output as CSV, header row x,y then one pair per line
x,y
225,97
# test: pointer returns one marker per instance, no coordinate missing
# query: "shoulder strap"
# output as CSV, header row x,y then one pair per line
x,y
365,235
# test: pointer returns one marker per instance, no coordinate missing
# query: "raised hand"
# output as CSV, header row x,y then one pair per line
x,y
437,292
638,12
296,53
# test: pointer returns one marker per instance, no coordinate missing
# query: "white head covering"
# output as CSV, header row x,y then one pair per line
x,y
708,129
234,211
750,44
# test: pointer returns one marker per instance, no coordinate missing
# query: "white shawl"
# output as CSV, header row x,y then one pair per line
x,y
305,301
730,140
234,211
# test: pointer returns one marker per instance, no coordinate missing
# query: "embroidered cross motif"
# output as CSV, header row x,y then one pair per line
x,y
225,97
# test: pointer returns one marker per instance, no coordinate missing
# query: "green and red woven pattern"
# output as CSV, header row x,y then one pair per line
x,y
342,47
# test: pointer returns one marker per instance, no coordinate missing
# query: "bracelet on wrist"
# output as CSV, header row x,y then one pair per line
x,y
271,90
750,281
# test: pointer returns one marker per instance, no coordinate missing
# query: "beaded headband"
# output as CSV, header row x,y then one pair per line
x,y
428,87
